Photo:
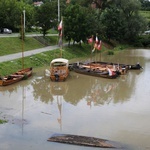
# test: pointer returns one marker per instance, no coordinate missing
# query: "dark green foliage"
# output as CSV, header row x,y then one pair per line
x,y
145,4
111,20
79,23
122,22
142,41
46,16
110,52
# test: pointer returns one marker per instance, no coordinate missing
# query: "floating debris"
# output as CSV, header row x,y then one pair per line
x,y
82,140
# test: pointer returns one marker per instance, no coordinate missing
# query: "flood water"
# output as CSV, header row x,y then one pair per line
x,y
113,109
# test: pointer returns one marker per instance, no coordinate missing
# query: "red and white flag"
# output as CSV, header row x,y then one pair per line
x,y
60,25
96,40
60,34
95,45
90,40
99,46
93,50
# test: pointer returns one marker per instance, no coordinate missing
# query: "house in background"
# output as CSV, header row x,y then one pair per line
x,y
38,3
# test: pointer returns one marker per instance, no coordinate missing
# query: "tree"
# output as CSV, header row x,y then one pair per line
x,y
46,16
10,14
122,21
145,5
79,23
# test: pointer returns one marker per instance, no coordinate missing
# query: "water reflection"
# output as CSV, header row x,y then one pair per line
x,y
96,91
11,110
42,89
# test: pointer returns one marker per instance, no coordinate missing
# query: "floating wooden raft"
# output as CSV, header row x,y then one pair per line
x,y
81,140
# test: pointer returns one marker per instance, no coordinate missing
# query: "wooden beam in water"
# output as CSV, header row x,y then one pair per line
x,y
82,140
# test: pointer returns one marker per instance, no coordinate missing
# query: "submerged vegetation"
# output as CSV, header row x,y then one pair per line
x,y
2,121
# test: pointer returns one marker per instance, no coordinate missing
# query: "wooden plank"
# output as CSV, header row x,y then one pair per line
x,y
82,140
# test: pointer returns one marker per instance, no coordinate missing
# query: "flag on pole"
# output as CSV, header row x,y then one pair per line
x,y
96,40
60,33
99,46
60,25
93,50
95,45
110,72
90,40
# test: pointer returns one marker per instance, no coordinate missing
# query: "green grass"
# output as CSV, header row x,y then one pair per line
x,y
145,14
11,45
43,59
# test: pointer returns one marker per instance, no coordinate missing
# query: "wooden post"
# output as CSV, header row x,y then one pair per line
x,y
22,37
91,47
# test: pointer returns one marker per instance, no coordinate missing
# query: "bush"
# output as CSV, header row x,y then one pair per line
x,y
110,52
142,41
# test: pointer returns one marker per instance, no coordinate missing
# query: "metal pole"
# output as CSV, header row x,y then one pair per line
x,y
24,17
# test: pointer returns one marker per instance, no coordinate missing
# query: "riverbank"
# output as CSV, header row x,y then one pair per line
x,y
43,56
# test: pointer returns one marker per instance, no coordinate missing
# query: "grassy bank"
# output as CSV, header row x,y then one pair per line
x,y
43,59
11,45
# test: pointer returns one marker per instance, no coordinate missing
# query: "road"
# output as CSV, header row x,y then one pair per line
x,y
27,53
27,35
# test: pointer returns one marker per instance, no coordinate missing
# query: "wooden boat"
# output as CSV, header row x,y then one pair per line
x,y
120,69
11,79
16,77
136,66
82,141
27,72
21,74
88,69
59,69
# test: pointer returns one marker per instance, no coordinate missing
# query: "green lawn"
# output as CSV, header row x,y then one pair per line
x,y
10,45
43,59
145,14
14,45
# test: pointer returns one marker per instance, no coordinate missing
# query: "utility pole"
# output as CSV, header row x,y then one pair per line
x,y
58,10
24,19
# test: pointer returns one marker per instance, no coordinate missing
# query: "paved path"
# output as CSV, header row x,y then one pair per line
x,y
26,53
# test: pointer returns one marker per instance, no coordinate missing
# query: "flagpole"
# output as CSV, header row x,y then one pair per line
x,y
91,48
100,55
62,32
100,50
22,38
60,35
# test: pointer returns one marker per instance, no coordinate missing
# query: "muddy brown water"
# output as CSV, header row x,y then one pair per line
x,y
113,109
